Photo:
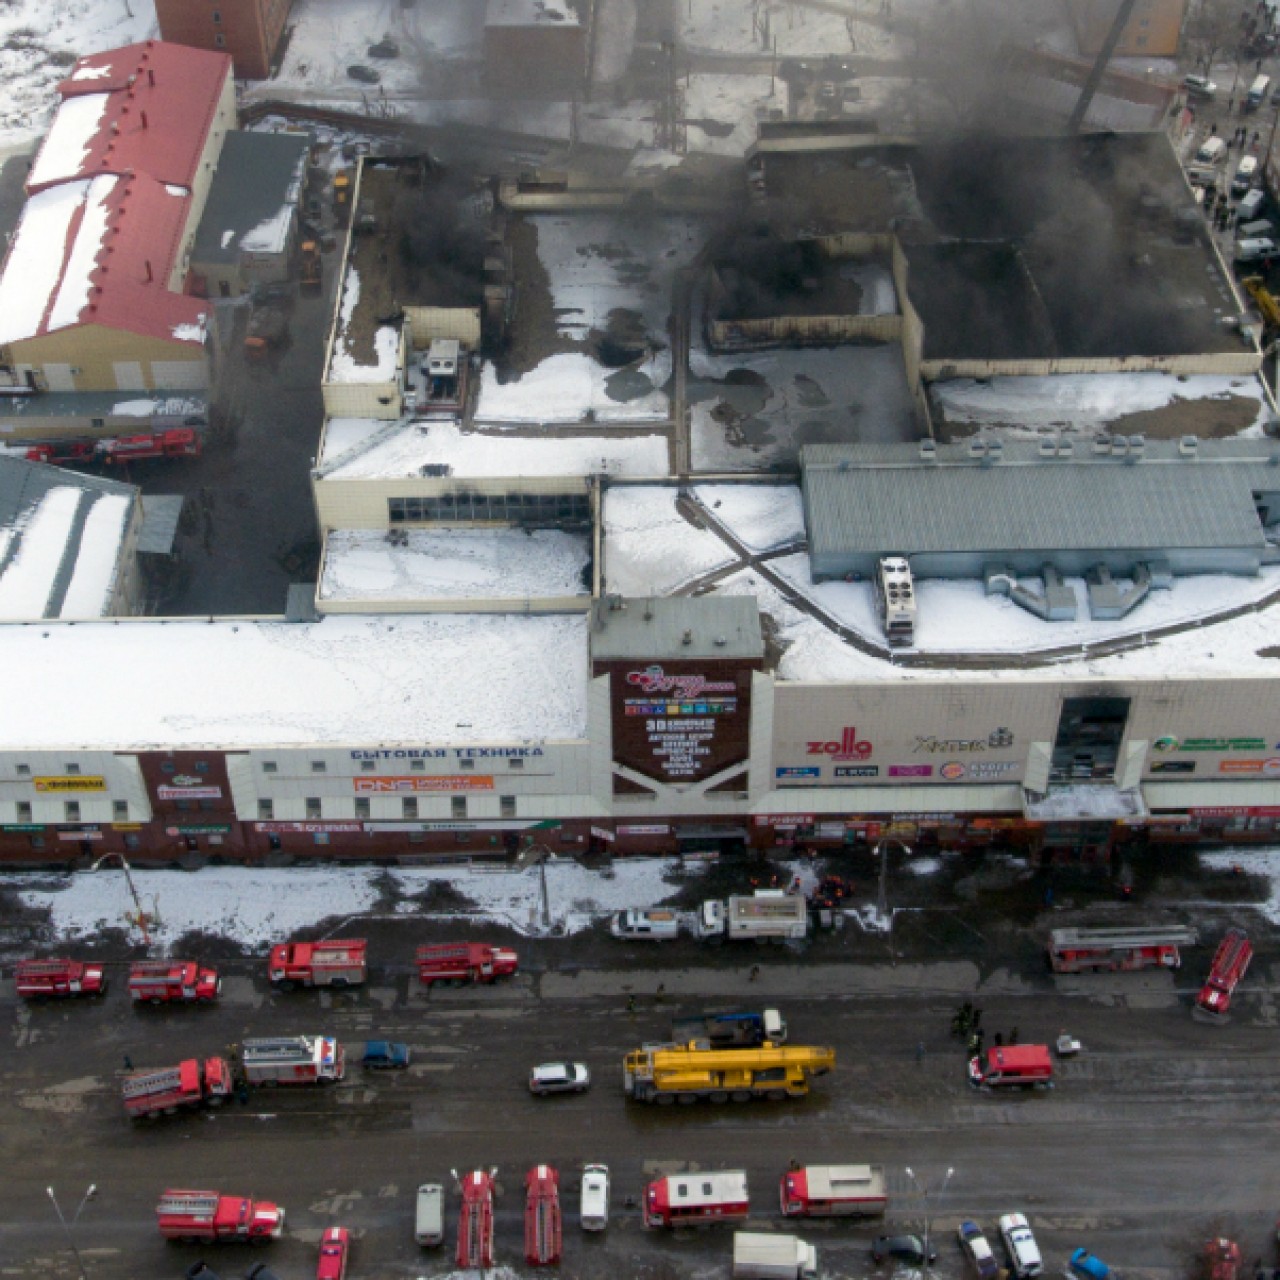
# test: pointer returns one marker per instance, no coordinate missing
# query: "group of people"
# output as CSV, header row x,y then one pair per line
x,y
966,1023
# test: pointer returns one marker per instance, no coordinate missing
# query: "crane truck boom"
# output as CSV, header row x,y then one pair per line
x,y
667,1074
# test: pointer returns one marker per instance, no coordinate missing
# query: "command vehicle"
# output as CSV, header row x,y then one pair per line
x,y
1113,950
743,1028
292,1060
594,1208
59,979
337,963
768,915
475,1223
654,926
192,1083
457,964
1016,1066
209,1216
834,1191
977,1251
166,981
760,1256
335,1245
697,1199
542,1225
1230,964
428,1215
666,1074
1020,1246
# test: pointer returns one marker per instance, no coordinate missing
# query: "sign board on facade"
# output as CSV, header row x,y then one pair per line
x,y
450,753
23,826
483,824
643,829
1270,766
1237,811
1168,743
415,783
165,792
307,828
71,782
79,835
784,819
199,829
603,833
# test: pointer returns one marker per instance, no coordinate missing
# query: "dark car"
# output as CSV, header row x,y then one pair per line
x,y
366,75
977,1251
260,1271
904,1248
384,1055
384,49
201,1271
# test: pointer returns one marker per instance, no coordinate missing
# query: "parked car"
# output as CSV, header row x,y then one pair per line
x,y
260,1271
594,1214
384,49
559,1077
904,1248
977,1252
366,75
1020,1245
334,1247
1083,1263
1199,86
384,1055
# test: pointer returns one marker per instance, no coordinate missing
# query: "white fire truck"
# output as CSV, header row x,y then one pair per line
x,y
293,1060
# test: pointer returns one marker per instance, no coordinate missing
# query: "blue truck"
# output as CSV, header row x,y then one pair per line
x,y
732,1029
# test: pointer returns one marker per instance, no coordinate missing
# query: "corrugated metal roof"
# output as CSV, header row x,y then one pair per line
x,y
888,499
717,626
160,515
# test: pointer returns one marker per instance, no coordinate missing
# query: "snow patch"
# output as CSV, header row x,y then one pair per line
x,y
270,235
67,146
27,583
760,516
650,548
94,577
571,387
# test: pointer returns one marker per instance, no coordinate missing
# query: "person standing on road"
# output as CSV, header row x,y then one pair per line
x,y
128,1063
661,992
631,1004
754,974
1013,1036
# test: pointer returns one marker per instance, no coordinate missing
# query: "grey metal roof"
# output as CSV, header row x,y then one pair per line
x,y
655,627
160,515
257,173
169,408
887,498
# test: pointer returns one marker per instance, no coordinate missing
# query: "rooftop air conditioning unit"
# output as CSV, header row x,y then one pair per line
x,y
1189,446
1066,449
1102,443
1119,446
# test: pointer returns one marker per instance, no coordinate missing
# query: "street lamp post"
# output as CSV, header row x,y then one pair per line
x,y
882,849
137,902
924,1193
66,1226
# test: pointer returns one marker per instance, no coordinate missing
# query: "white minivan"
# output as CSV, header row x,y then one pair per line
x,y
1211,150
1024,1254
428,1222
594,1213
1245,175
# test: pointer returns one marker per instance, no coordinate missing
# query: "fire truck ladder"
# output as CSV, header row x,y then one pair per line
x,y
1123,939
150,968
196,1204
152,1082
1232,959
475,1238
542,1224
272,1050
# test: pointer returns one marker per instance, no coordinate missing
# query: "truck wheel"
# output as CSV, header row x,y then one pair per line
x,y
285,985
741,1095
216,1102
156,1000
719,1096
665,1099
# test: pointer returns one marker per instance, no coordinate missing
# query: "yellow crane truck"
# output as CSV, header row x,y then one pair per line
x,y
685,1073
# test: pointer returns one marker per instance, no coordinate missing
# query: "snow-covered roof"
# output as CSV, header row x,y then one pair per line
x,y
531,13
439,679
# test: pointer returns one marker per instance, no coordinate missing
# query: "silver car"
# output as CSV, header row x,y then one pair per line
x,y
559,1077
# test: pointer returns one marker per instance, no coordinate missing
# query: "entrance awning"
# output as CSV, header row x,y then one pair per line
x,y
1089,801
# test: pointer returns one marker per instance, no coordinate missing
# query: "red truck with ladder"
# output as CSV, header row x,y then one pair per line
x,y
208,1217
542,1216
293,1060
176,442
1230,964
167,1090
173,981
59,979
475,1224
697,1199
457,964
335,963
1116,950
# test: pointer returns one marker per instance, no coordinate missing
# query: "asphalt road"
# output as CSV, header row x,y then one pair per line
x,y
1160,1135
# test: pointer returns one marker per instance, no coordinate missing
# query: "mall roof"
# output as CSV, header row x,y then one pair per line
x,y
676,627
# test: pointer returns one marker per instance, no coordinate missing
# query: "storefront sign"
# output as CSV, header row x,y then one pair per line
x,y
857,771
785,775
71,782
1270,766
307,828
402,785
849,747
189,793
910,770
450,753
23,826
1238,811
128,826
200,829
644,829
1209,744
1173,766
603,833
954,770
924,817
481,824
79,835
997,740
653,679
784,819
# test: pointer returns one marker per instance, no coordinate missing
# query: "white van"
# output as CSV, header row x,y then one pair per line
x,y
1252,250
1245,175
594,1213
1211,150
1257,93
1250,203
428,1222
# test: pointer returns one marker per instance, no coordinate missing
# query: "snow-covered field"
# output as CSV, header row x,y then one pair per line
x,y
760,516
650,549
572,387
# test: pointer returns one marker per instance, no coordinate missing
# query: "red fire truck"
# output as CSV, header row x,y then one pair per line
x,y
1113,950
191,1083
176,442
167,981
1222,1259
464,962
209,1216
337,963
59,979
697,1199
1230,964
834,1191
475,1225
1017,1066
293,1060
542,1216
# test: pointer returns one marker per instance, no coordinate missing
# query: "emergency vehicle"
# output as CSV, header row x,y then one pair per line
x,y
209,1216
191,1083
686,1073
475,1224
170,981
293,1060
461,963
59,979
319,964
1230,964
177,442
1114,950
1018,1066
335,1246
834,1191
697,1199
542,1227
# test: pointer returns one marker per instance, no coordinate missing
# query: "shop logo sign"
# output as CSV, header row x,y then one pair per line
x,y
655,680
850,746
857,771
997,740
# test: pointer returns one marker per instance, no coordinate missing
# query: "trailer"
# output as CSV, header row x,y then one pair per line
x,y
697,1199
771,1256
173,982
834,1191
457,964
1230,964
168,1090
475,1222
734,1029
206,1217
1117,950
666,1074
542,1225
292,1060
59,979
335,963
768,915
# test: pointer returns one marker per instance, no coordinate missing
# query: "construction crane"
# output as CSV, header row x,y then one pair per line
x,y
1265,301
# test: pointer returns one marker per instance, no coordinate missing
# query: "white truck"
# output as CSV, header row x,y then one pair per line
x,y
761,1256
653,925
768,915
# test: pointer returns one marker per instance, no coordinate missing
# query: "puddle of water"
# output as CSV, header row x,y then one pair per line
x,y
627,385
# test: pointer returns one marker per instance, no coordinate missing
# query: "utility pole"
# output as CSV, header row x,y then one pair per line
x,y
1099,67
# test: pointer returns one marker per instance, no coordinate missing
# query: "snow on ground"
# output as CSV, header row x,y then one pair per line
x,y
94,577
1085,400
27,582
572,387
344,679
760,516
750,27
650,549
1258,862
454,564
472,453
256,907
737,100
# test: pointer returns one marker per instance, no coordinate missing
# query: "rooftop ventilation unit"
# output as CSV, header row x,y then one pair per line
x,y
1102,443
1189,446
1066,449
1119,446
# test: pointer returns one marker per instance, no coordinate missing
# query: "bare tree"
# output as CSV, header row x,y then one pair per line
x,y
1211,28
